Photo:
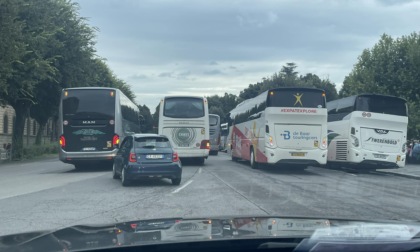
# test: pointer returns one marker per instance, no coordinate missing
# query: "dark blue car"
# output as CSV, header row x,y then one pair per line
x,y
146,156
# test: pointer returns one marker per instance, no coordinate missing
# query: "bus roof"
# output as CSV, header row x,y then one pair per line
x,y
370,94
297,88
105,88
186,96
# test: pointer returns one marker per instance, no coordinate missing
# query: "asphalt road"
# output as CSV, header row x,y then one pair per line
x,y
48,194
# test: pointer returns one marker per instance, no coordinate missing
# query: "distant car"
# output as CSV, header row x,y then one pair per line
x,y
146,156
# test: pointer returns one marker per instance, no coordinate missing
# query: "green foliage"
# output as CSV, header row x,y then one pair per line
x,y
391,67
33,151
288,77
147,122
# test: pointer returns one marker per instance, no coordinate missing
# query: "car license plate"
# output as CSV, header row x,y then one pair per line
x,y
154,156
298,154
183,145
89,148
381,156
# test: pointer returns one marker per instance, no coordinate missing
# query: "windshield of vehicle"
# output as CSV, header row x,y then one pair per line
x,y
296,98
184,107
151,142
382,105
105,118
213,120
87,103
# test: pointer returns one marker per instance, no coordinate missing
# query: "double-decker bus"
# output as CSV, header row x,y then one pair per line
x,y
92,121
281,126
185,121
214,121
367,130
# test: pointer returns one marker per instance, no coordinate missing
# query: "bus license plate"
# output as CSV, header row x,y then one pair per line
x,y
298,154
89,148
154,156
381,156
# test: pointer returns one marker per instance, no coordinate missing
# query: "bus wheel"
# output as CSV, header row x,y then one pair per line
x,y
254,164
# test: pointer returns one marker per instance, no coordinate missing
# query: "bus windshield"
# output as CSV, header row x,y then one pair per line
x,y
296,98
213,120
184,107
85,103
382,104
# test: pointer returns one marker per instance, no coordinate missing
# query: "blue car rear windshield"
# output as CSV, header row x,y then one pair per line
x,y
151,142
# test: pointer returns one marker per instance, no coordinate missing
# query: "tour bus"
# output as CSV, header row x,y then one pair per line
x,y
92,121
367,130
224,132
281,126
214,134
185,121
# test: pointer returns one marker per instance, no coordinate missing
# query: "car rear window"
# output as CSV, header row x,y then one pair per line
x,y
151,142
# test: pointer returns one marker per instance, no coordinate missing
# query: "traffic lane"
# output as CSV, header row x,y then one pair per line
x,y
321,192
70,196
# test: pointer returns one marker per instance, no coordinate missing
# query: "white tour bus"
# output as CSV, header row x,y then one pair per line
x,y
280,126
215,136
367,130
185,121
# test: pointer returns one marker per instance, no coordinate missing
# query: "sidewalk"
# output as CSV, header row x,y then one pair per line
x,y
410,170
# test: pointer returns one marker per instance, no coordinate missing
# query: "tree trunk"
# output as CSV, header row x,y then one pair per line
x,y
38,139
21,110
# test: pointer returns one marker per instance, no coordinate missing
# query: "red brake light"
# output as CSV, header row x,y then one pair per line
x,y
133,225
205,144
62,141
132,158
116,140
175,157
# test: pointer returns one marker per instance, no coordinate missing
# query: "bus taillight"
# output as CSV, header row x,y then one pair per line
x,y
116,140
62,142
205,144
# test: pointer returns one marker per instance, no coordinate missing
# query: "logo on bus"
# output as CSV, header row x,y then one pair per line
x,y
366,114
88,122
381,131
382,140
183,136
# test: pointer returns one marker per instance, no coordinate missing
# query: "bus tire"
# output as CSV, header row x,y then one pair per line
x,y
254,164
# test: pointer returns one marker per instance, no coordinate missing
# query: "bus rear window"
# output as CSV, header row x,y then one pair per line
x,y
296,98
184,107
151,142
382,104
89,104
213,120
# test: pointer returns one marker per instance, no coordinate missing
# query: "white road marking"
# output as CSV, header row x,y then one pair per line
x,y
199,170
182,187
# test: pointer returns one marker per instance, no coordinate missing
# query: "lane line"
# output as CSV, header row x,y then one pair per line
x,y
182,187
199,170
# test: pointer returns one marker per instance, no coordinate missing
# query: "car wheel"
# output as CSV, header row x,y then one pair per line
x,y
176,181
124,180
114,172
200,161
254,164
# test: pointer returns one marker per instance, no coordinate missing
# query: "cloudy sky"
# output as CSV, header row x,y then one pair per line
x,y
163,47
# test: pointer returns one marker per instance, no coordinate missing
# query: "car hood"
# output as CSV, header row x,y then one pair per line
x,y
180,229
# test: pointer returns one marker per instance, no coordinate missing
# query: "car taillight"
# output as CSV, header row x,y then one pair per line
x,y
205,144
132,158
62,141
116,140
175,157
133,225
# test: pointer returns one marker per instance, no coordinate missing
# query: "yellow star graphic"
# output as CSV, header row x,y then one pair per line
x,y
298,99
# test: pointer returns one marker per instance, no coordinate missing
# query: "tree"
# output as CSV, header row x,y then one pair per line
x,y
391,67
147,122
156,119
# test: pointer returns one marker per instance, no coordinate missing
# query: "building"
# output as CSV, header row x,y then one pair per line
x,y
7,119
